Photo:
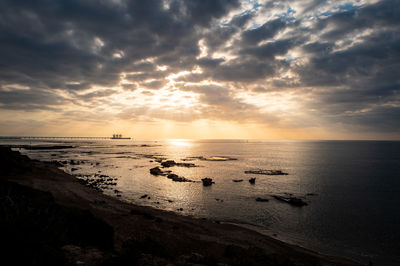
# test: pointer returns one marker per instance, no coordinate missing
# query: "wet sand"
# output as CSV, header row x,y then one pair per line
x,y
49,217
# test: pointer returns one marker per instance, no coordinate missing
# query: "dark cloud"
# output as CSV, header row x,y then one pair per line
x,y
345,63
266,31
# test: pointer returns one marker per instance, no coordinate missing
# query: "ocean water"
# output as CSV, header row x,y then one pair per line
x,y
354,212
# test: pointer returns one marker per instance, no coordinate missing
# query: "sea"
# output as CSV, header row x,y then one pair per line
x,y
352,188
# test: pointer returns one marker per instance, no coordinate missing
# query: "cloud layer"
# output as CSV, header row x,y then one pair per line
x,y
331,65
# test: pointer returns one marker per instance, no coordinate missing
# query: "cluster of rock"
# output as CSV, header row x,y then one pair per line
x,y
168,173
98,182
170,163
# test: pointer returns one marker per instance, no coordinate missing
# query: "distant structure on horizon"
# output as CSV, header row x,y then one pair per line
x,y
118,136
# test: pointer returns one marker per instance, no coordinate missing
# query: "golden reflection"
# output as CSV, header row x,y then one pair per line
x,y
180,142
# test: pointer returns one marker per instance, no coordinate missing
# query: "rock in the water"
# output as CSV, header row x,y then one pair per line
x,y
207,182
186,164
168,163
252,180
265,172
177,178
262,199
291,200
158,171
237,180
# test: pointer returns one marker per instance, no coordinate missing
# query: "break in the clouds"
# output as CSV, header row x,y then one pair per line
x,y
315,65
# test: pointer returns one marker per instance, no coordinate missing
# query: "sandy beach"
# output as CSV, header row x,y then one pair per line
x,y
48,218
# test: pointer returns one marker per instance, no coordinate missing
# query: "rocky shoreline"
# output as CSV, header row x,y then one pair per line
x,y
48,217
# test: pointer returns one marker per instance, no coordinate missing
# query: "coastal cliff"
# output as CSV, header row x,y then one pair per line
x,y
48,218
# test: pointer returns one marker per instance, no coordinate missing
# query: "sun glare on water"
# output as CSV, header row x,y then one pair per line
x,y
180,142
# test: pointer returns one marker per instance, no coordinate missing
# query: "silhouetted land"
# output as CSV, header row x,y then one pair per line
x,y
48,218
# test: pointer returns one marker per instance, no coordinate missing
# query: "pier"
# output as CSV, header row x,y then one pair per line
x,y
43,137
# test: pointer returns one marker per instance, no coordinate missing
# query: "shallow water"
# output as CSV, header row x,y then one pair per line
x,y
355,212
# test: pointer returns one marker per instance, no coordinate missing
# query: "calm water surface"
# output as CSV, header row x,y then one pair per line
x,y
356,212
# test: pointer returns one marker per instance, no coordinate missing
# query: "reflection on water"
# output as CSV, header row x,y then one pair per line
x,y
180,142
352,211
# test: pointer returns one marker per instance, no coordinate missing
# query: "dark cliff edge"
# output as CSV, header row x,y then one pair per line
x,y
48,218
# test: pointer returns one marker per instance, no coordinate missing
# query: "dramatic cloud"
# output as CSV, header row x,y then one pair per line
x,y
290,65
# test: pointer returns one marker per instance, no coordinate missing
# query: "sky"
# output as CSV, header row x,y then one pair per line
x,y
201,69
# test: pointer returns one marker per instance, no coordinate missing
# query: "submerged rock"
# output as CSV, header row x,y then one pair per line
x,y
291,200
207,182
265,172
252,180
186,164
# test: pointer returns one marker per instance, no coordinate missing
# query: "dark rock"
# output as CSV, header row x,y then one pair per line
x,y
74,169
262,200
252,180
237,180
291,200
156,171
177,178
207,182
168,163
143,196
